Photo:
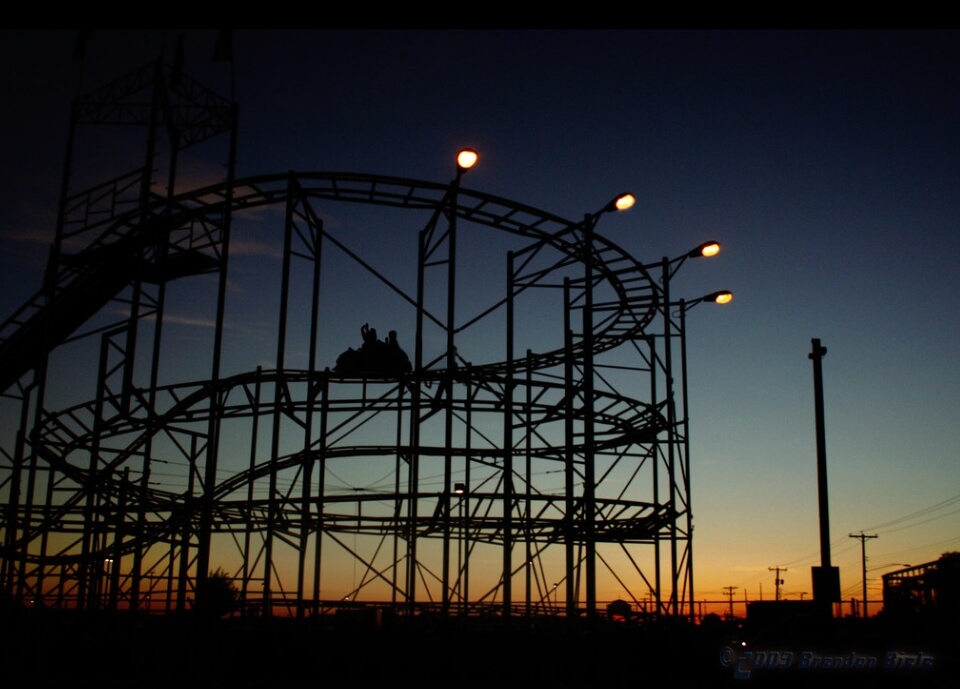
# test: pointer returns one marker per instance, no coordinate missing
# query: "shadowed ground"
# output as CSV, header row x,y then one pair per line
x,y
37,648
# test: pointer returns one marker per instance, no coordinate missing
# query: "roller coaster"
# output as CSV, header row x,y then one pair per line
x,y
531,461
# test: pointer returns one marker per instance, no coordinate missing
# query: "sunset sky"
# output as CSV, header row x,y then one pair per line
x,y
826,163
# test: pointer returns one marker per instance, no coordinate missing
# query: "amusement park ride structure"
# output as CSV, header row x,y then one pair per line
x,y
529,458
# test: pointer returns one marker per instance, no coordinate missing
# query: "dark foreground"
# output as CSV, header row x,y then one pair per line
x,y
38,649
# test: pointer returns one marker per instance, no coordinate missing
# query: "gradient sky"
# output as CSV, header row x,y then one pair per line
x,y
827,163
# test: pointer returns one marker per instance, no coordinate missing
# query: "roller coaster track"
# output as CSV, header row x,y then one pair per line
x,y
73,431
529,463
172,238
160,243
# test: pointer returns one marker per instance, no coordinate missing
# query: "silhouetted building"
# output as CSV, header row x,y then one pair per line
x,y
930,589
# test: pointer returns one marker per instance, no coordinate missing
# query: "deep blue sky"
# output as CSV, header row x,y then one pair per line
x,y
827,163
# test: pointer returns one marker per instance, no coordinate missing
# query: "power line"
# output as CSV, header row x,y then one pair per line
x,y
919,513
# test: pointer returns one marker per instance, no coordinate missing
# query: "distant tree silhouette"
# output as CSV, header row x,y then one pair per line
x,y
216,595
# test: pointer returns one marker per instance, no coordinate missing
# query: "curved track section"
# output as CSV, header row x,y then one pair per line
x,y
68,438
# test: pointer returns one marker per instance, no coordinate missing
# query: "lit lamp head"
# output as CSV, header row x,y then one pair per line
x,y
721,297
466,159
707,250
621,202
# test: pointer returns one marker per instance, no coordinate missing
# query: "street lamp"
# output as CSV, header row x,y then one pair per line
x,y
621,202
431,241
719,297
668,268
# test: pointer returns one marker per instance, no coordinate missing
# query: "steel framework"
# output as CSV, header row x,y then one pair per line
x,y
531,461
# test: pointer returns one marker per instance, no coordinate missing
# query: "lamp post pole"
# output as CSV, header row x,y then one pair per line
x,y
621,202
589,489
721,297
679,444
685,471
672,434
466,159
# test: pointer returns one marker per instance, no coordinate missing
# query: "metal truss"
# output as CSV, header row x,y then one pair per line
x,y
534,475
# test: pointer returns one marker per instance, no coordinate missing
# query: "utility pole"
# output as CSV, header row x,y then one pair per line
x,y
863,554
826,577
730,590
778,580
816,355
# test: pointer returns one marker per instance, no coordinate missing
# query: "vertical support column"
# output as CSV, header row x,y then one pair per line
x,y
589,487
528,527
252,463
315,255
416,403
12,576
281,397
397,534
465,505
671,437
321,491
116,557
443,399
686,454
570,533
655,480
213,429
508,384
449,370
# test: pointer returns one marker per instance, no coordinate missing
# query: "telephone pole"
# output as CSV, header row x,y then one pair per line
x,y
778,580
863,554
730,590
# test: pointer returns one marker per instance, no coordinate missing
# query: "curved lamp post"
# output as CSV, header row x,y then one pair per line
x,y
621,202
669,268
719,297
430,241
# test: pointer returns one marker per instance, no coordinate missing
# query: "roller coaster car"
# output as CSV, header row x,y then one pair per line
x,y
375,357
